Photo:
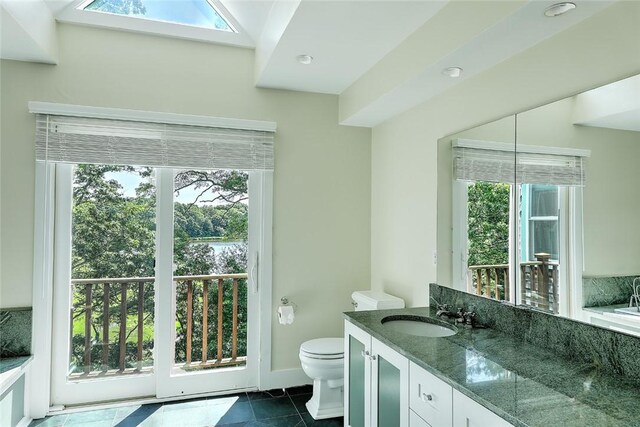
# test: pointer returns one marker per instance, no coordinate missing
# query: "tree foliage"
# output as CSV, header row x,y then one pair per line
x,y
114,236
488,223
119,7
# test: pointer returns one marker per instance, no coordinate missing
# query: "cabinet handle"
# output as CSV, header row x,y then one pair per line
x,y
427,397
372,357
365,353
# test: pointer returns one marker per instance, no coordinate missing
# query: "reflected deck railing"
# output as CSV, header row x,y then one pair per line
x,y
538,279
143,288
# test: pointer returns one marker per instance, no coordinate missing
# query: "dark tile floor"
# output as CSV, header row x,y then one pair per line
x,y
278,408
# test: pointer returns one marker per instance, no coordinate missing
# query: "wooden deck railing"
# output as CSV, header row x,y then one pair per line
x,y
108,302
538,282
490,280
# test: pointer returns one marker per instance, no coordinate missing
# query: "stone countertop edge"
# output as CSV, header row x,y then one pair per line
x,y
7,378
366,319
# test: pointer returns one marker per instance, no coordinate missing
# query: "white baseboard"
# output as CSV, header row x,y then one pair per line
x,y
284,378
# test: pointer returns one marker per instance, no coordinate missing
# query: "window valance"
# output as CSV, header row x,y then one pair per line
x,y
500,162
98,140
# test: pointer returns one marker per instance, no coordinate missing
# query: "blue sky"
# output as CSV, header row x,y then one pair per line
x,y
130,180
191,12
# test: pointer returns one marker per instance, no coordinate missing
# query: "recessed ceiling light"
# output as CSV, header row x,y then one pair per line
x,y
304,59
452,72
559,9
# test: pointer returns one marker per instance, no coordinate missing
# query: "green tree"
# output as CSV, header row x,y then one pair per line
x,y
113,236
488,223
120,7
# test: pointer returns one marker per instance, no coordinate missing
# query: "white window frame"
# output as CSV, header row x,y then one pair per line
x,y
40,394
570,246
529,230
460,241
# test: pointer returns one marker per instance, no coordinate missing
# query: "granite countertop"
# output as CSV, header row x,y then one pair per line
x,y
524,384
11,368
6,364
609,309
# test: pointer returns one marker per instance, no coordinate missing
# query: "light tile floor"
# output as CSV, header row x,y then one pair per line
x,y
278,408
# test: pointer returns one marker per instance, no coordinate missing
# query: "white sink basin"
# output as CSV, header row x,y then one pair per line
x,y
418,327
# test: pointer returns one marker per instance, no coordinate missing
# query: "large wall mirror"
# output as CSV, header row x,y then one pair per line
x,y
542,209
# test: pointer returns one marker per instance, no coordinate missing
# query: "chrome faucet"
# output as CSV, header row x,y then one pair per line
x,y
460,316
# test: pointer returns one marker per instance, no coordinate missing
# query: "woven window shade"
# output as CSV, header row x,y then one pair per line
x,y
70,139
471,164
500,162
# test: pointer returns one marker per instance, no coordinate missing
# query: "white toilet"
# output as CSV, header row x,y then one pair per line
x,y
323,359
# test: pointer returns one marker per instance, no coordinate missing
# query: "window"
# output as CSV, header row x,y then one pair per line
x,y
160,223
540,221
198,13
513,211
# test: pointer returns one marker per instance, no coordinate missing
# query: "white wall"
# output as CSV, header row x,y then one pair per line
x,y
599,50
321,238
611,197
502,130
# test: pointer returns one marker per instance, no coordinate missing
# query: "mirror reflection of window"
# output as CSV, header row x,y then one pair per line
x,y
539,219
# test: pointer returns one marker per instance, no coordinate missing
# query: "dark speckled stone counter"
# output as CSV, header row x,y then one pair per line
x,y
524,384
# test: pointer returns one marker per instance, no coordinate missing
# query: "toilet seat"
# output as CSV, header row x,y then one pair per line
x,y
323,348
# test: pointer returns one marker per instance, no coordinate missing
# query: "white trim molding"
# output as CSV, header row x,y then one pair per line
x,y
148,116
520,148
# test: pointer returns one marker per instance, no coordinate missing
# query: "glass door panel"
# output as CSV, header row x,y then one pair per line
x,y
210,259
388,394
204,298
357,366
104,282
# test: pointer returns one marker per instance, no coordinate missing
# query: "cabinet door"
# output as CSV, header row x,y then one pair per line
x,y
468,413
389,387
430,397
416,421
357,377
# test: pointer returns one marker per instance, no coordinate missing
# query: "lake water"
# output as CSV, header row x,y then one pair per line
x,y
220,246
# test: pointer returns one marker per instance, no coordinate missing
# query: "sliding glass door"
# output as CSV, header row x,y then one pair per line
x,y
153,294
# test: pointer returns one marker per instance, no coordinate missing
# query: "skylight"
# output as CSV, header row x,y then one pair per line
x,y
197,13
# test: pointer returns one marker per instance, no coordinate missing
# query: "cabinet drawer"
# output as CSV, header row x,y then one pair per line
x,y
416,421
469,413
430,397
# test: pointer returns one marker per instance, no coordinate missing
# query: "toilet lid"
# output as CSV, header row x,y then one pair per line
x,y
323,347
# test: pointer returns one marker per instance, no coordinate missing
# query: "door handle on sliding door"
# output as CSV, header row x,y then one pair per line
x,y
253,274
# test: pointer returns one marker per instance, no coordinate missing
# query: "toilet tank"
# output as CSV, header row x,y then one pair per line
x,y
375,300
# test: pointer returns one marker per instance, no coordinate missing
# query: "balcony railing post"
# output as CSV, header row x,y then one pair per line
x,y
556,297
189,318
205,320
105,326
123,326
234,332
140,322
88,289
507,294
220,323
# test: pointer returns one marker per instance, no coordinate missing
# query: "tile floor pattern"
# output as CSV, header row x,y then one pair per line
x,y
277,408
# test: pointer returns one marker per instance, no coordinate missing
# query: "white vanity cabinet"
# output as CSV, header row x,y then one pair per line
x,y
469,413
376,382
383,389
430,397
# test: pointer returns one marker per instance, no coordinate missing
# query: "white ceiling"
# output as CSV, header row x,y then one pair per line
x,y
613,106
349,40
345,38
